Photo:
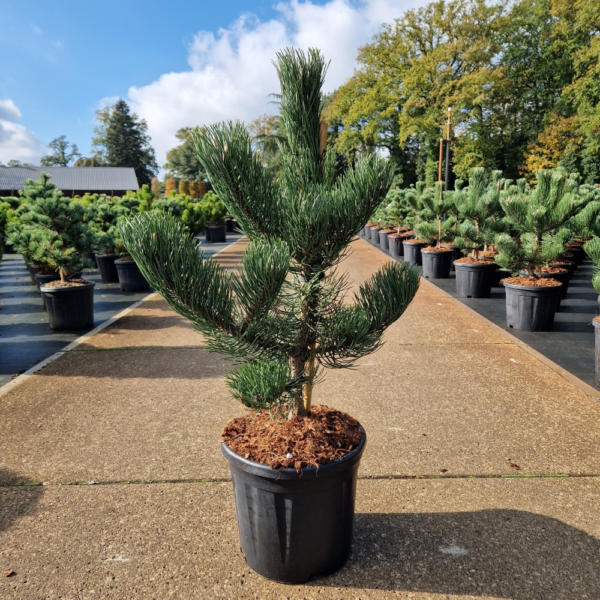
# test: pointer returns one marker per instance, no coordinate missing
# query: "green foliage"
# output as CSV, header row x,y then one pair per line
x,y
51,230
478,208
182,161
434,224
214,210
64,153
283,315
538,216
592,248
122,141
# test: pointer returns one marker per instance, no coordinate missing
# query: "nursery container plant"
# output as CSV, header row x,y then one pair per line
x,y
214,211
282,318
436,227
537,216
477,206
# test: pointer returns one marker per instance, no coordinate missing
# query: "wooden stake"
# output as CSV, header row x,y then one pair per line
x,y
440,161
322,138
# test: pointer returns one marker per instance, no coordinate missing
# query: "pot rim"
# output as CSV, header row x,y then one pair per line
x,y
534,288
72,287
475,265
125,262
265,471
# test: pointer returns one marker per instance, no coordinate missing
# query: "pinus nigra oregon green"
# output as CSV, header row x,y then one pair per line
x,y
282,317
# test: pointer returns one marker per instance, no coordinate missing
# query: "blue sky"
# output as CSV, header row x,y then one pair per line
x,y
178,63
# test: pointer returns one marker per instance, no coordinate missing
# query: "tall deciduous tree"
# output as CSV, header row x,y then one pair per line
x,y
122,140
64,153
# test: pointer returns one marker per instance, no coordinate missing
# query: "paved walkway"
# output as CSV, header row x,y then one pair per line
x,y
25,336
480,480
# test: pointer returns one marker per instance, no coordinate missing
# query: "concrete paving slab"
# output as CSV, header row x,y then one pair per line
x,y
118,415
152,324
517,539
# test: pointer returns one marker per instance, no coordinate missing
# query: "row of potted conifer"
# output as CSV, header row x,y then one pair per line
x,y
527,237
59,237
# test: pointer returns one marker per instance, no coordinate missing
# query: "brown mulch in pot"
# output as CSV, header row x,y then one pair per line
x,y
388,231
324,436
416,241
436,249
532,281
488,254
66,284
554,270
568,263
469,260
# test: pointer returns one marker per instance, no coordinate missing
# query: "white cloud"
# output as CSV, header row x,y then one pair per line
x,y
16,142
36,29
231,74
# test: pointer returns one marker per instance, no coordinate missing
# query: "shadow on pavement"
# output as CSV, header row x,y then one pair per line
x,y
498,553
15,502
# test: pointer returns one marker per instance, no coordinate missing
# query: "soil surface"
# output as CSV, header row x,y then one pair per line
x,y
416,241
436,249
488,254
554,270
469,260
326,435
532,281
66,284
568,263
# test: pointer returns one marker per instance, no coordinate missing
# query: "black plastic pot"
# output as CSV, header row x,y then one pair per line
x,y
70,307
498,276
456,254
531,308
108,271
229,225
383,240
130,276
217,233
292,525
578,253
474,280
571,267
596,325
563,278
206,234
40,280
375,235
32,273
412,252
436,263
395,247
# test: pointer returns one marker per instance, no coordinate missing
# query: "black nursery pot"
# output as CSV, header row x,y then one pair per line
x,y
229,225
292,525
383,240
70,307
531,308
395,247
32,273
456,253
130,276
474,280
108,270
436,263
375,235
91,257
217,233
412,252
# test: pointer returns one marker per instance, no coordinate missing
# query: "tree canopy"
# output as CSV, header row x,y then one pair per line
x,y
64,153
122,140
182,161
511,72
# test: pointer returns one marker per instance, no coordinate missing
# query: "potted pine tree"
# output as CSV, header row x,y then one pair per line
x,y
104,215
418,214
436,227
478,205
59,236
214,212
282,318
537,216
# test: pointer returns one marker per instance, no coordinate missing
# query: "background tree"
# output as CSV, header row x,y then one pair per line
x,y
64,153
92,161
122,141
182,161
170,186
155,187
184,187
